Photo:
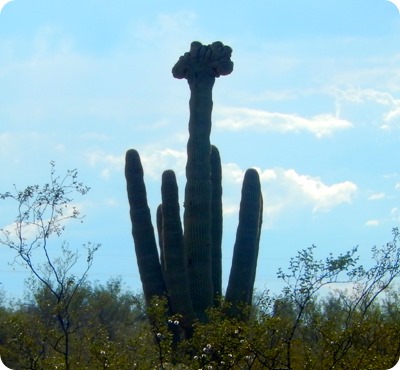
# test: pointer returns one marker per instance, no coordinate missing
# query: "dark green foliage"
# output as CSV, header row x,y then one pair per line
x,y
297,329
192,258
103,318
54,283
115,335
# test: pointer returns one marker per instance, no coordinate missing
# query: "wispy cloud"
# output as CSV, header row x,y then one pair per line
x,y
376,196
395,214
236,119
154,162
364,95
381,103
107,162
165,24
32,230
372,223
392,115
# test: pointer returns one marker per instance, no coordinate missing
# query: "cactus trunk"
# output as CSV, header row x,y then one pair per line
x,y
197,215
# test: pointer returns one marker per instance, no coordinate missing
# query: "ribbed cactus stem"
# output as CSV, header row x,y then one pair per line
x,y
200,66
197,215
176,277
252,280
216,222
142,229
244,262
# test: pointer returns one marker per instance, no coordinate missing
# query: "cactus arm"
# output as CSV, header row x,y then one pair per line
x,y
244,262
216,222
142,229
252,280
176,278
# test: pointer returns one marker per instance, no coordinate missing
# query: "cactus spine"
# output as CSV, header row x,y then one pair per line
x,y
189,269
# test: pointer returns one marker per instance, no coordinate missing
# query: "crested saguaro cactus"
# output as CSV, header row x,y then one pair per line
x,y
187,267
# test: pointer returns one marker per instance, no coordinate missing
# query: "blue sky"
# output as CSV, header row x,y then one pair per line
x,y
313,103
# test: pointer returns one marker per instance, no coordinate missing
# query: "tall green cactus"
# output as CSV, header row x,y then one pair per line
x,y
142,228
245,253
189,268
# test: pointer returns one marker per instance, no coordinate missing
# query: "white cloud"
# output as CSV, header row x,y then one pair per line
x,y
108,162
165,24
28,231
392,114
235,119
376,196
31,230
156,162
395,214
232,173
230,209
287,189
372,223
96,157
363,95
267,175
380,100
322,196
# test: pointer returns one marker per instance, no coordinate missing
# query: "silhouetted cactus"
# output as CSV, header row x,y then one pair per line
x,y
245,253
189,268
142,228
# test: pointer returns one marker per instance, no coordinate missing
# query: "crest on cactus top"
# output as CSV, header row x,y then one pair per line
x,y
212,60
